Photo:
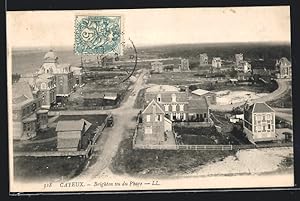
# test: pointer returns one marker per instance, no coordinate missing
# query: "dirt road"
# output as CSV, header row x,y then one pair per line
x,y
108,143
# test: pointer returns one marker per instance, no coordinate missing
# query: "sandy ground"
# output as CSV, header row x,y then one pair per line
x,y
251,161
238,96
249,169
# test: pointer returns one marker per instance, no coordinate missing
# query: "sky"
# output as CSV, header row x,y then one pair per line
x,y
157,26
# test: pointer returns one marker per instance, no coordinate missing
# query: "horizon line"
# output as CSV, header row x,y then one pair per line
x,y
157,45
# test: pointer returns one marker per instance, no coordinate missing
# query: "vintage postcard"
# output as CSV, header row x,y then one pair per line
x,y
150,99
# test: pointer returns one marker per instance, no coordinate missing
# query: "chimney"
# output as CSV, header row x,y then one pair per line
x,y
187,91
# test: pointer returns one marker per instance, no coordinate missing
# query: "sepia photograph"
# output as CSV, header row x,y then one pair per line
x,y
150,99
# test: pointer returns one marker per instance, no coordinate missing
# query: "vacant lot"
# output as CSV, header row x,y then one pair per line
x,y
47,168
161,162
283,102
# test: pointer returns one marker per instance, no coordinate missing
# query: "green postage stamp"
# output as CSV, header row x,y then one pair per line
x,y
95,35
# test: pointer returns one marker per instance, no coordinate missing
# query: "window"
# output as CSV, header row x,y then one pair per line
x,y
181,107
148,118
204,115
166,108
258,117
158,117
268,117
173,97
174,108
269,126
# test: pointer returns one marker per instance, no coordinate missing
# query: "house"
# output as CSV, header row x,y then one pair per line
x,y
155,124
238,58
210,96
78,75
157,67
66,77
43,86
259,122
203,59
184,66
71,135
198,109
216,62
178,105
285,68
27,115
244,67
172,100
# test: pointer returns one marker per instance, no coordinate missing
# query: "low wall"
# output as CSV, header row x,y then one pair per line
x,y
84,153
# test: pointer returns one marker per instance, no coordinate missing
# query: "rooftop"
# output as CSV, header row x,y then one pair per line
x,y
50,56
200,92
72,125
21,92
162,88
260,108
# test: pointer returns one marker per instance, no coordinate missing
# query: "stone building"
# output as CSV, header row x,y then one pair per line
x,y
155,124
238,58
178,105
43,86
216,62
259,122
244,67
285,68
157,67
203,59
184,66
28,117
66,77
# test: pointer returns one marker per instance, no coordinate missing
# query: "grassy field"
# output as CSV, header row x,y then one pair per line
x,y
139,99
43,146
160,162
47,168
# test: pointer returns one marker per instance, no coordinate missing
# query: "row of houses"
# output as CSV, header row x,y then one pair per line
x,y
53,81
27,112
283,67
170,65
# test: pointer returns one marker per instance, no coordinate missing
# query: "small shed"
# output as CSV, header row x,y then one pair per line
x,y
70,134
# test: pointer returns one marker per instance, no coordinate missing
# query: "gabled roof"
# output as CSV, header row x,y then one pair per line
x,y
21,91
50,56
72,125
149,108
284,61
260,108
197,104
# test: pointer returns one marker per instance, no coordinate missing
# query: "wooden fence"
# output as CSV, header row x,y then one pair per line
x,y
184,147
